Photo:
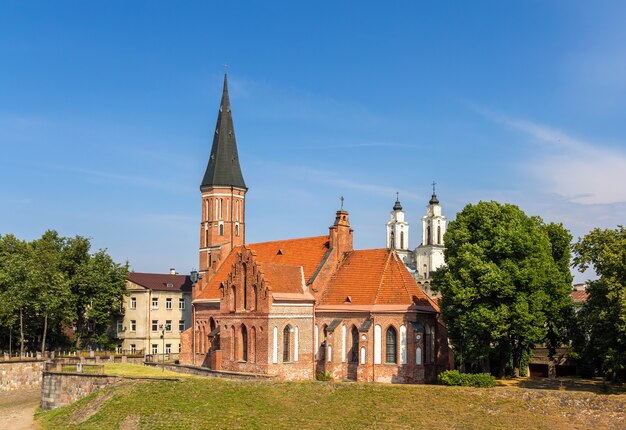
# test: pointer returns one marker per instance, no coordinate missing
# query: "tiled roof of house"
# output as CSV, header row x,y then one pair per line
x,y
306,253
374,277
160,281
579,296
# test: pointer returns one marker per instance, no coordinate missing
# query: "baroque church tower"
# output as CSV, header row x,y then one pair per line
x,y
223,189
429,255
398,233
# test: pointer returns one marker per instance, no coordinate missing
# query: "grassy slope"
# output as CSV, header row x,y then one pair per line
x,y
215,403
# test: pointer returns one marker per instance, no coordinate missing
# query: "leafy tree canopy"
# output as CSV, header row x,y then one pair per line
x,y
603,315
505,286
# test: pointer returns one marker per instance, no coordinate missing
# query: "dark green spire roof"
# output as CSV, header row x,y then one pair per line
x,y
223,168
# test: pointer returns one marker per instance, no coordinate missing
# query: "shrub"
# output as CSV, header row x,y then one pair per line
x,y
324,375
454,377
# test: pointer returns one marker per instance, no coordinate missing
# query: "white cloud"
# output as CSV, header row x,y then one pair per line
x,y
580,170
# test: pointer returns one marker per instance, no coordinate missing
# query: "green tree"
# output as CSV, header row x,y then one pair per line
x,y
14,263
603,315
99,288
505,286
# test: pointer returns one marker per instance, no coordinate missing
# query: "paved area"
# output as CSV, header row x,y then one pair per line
x,y
17,409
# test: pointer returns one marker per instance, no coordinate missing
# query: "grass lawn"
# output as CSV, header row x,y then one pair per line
x,y
211,403
138,370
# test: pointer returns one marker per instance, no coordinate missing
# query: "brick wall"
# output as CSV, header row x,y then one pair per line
x,y
15,375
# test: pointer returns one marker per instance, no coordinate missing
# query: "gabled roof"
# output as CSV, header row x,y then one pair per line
x,y
223,167
279,260
579,296
160,281
374,277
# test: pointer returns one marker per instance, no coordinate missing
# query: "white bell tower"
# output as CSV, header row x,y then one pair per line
x,y
398,232
429,255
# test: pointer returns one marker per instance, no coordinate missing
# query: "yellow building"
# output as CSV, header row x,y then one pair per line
x,y
156,312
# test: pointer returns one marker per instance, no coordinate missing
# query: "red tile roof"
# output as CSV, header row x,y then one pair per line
x,y
283,278
374,277
160,281
306,253
579,296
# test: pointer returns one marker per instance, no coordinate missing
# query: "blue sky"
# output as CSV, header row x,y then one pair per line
x,y
107,111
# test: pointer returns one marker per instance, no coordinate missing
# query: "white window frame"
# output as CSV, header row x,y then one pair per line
x,y
155,303
168,348
133,303
168,325
181,325
120,326
155,348
155,323
133,325
181,304
168,303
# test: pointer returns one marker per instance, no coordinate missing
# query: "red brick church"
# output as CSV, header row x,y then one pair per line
x,y
294,308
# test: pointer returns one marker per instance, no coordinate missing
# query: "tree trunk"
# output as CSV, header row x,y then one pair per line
x,y
21,335
45,328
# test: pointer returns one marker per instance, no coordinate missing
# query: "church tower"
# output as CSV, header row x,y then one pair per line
x,y
429,255
223,189
398,232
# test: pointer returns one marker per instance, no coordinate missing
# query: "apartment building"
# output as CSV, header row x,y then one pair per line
x,y
156,312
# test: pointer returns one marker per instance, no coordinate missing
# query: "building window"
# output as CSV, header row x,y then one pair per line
x,y
133,303
428,238
168,325
155,325
236,229
168,303
168,348
133,325
354,351
181,325
133,348
244,343
181,303
401,240
155,348
155,303
391,355
233,298
439,235
221,229
120,327
286,344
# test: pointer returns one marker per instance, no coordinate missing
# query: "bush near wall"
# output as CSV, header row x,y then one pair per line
x,y
454,377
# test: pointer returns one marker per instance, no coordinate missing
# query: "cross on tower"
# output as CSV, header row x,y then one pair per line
x,y
433,184
341,202
225,68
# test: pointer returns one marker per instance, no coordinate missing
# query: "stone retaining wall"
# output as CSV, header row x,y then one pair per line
x,y
62,389
15,375
202,371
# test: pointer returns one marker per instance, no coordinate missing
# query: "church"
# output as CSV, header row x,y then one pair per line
x,y
298,308
429,255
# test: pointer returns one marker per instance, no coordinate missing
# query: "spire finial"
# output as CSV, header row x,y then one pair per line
x,y
397,206
342,199
225,69
434,200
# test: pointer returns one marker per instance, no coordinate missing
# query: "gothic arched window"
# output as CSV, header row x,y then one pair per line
x,y
401,240
286,344
390,346
354,351
439,235
233,298
244,343
245,287
428,240
221,228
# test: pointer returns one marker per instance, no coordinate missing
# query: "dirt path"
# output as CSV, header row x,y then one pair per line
x,y
17,409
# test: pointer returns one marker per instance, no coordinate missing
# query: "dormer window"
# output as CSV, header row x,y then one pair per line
x,y
280,252
169,285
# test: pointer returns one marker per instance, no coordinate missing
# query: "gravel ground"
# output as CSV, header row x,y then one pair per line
x,y
17,409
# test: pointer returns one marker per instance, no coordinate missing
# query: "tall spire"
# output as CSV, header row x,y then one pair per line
x,y
223,168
